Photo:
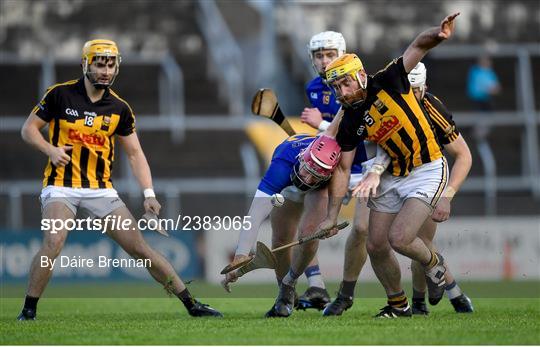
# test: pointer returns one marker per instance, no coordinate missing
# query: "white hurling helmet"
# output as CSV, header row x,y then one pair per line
x,y
326,40
417,77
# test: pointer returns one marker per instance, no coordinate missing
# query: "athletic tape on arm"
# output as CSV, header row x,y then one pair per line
x,y
382,158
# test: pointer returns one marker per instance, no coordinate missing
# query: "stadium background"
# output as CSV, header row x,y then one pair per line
x,y
189,70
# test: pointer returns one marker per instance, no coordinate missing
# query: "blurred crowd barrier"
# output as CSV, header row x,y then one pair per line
x,y
474,248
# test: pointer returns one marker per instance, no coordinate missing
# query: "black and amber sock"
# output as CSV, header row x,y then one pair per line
x,y
186,298
418,296
398,300
433,261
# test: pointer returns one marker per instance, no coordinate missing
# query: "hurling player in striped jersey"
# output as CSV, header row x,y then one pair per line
x,y
323,48
452,141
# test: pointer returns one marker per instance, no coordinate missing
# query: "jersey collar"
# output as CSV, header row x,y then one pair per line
x,y
81,89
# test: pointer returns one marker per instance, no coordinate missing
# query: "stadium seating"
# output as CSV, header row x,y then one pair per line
x,y
61,30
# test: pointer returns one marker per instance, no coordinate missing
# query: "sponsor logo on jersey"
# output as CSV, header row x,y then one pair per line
x,y
314,95
89,139
360,130
387,125
72,112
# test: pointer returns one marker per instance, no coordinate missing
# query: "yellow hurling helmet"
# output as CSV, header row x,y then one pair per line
x,y
100,48
347,66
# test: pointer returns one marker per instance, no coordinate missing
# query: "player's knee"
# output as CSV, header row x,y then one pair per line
x,y
310,247
376,249
280,239
139,251
360,231
397,241
53,246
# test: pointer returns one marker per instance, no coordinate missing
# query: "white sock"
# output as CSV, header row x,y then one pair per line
x,y
313,274
453,290
316,281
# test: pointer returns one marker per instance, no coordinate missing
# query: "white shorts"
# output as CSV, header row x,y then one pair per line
x,y
97,203
425,182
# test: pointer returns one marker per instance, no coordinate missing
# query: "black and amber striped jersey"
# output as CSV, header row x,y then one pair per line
x,y
74,120
391,117
441,118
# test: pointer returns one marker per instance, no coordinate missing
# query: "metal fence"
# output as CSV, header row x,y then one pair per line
x,y
171,117
526,116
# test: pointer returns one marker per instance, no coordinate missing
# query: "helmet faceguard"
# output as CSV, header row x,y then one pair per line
x,y
417,77
100,48
316,163
326,40
347,70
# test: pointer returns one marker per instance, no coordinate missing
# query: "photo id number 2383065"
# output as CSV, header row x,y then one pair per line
x,y
206,223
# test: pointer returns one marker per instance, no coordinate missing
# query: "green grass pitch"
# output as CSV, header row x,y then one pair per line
x,y
149,319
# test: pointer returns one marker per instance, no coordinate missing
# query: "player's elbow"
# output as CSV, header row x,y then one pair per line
x,y
26,132
23,133
467,160
338,181
345,164
342,172
133,156
343,169
133,150
467,156
464,156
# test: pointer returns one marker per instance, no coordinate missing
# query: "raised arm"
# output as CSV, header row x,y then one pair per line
x,y
426,41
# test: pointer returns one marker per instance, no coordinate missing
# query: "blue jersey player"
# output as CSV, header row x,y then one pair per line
x,y
323,48
299,169
300,164
286,220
